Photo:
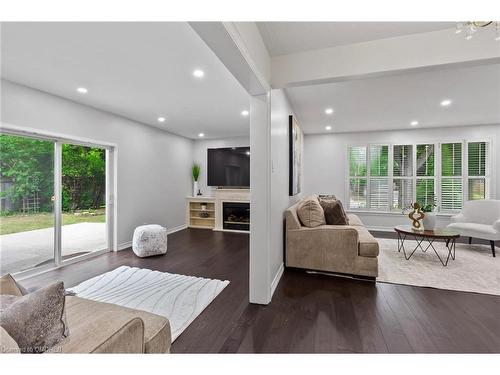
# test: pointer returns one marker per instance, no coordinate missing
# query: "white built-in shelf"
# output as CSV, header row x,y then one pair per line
x,y
194,205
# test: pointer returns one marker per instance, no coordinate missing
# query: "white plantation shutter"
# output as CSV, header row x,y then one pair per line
x,y
379,182
451,180
357,193
357,180
357,161
451,159
402,170
402,192
379,155
425,185
476,167
403,161
425,160
425,191
476,158
477,188
451,194
379,193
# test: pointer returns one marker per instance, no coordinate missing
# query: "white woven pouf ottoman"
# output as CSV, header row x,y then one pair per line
x,y
149,240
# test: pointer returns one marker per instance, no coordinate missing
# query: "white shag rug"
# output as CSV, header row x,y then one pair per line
x,y
179,298
473,270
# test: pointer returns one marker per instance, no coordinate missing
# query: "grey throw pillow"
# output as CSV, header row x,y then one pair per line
x,y
334,212
36,321
310,212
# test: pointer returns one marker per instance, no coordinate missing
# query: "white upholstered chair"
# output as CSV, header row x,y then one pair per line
x,y
479,219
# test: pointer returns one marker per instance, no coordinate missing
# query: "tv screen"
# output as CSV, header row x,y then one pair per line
x,y
229,166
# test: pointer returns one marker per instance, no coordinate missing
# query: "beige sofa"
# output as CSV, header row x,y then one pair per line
x,y
98,327
347,249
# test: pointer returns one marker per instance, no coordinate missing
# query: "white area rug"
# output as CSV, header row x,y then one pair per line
x,y
177,297
473,270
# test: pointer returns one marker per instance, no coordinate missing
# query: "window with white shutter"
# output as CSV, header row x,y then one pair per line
x,y
357,177
393,176
402,192
378,177
451,176
476,168
425,184
402,171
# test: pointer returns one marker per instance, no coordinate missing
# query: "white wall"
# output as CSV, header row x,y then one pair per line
x,y
200,156
153,165
280,200
325,160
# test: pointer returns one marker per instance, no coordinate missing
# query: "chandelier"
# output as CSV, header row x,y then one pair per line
x,y
471,27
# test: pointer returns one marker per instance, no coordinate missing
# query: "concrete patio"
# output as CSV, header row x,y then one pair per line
x,y
23,250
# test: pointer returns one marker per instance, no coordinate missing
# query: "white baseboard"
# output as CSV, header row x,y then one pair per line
x,y
277,278
126,245
177,228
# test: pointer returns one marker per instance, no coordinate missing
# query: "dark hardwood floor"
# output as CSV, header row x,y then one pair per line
x,y
309,313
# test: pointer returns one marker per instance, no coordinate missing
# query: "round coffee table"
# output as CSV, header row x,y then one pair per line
x,y
430,236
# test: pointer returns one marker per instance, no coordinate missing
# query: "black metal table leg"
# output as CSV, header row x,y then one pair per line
x,y
450,246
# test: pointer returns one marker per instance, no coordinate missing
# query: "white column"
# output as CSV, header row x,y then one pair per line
x,y
260,205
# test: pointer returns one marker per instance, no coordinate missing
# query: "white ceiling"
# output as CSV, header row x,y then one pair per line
x,y
137,70
282,38
392,102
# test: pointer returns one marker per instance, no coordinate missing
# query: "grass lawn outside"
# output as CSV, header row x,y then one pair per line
x,y
22,223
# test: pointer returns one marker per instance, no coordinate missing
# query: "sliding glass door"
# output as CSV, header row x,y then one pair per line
x,y
27,203
53,202
83,182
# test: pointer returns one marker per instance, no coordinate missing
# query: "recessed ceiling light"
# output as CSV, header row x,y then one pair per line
x,y
445,103
414,123
245,113
328,127
198,73
82,90
201,135
329,111
161,119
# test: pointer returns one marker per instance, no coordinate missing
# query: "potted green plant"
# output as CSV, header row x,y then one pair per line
x,y
195,172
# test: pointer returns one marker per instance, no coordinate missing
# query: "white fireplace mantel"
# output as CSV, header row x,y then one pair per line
x,y
228,195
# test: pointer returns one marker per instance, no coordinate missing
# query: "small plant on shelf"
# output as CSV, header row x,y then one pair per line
x,y
195,171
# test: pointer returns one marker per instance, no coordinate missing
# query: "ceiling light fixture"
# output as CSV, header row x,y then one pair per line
x,y
198,73
248,152
329,111
245,113
328,127
201,135
414,123
471,27
82,90
445,103
161,119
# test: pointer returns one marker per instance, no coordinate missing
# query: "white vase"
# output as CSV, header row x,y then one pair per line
x,y
429,221
195,188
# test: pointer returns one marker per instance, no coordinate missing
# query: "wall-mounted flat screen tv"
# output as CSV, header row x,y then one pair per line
x,y
228,166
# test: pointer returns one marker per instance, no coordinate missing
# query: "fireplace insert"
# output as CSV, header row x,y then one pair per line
x,y
236,216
